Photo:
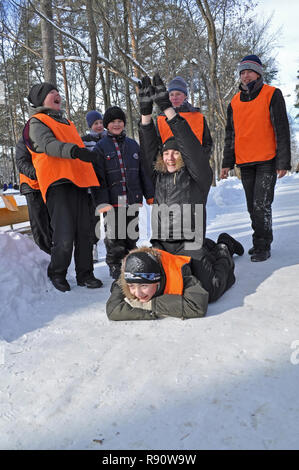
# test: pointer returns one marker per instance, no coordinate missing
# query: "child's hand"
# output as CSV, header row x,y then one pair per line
x,y
146,96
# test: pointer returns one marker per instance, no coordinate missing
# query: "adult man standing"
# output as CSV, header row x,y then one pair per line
x,y
258,141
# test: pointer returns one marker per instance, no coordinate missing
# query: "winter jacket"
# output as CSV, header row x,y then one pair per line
x,y
279,121
191,303
137,181
28,182
189,185
51,139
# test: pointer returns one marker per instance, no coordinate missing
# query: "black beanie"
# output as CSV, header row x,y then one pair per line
x,y
170,144
114,112
142,267
39,92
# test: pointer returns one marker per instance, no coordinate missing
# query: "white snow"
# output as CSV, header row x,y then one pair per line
x,y
71,379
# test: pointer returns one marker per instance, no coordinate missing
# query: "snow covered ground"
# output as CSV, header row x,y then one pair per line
x,y
71,379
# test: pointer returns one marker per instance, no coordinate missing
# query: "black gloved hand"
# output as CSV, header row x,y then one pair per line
x,y
84,154
146,96
161,97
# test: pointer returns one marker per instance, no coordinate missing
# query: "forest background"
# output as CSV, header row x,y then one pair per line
x,y
96,50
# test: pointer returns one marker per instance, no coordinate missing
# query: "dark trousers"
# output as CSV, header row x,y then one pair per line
x,y
70,221
94,219
259,183
39,221
121,234
212,265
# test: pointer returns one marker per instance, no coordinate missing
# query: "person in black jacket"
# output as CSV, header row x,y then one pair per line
x,y
181,174
37,209
125,184
257,140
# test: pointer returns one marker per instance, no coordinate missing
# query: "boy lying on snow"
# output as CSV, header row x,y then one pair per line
x,y
155,283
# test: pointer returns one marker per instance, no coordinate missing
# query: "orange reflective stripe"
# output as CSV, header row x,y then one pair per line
x,y
32,183
195,121
172,265
254,134
51,169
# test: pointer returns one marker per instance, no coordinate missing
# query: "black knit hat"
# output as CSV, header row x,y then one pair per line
x,y
170,144
114,112
142,267
39,92
251,62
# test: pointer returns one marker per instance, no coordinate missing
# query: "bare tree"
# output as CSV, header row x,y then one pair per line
x,y
48,46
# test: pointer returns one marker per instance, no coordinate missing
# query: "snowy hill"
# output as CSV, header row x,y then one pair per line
x,y
70,379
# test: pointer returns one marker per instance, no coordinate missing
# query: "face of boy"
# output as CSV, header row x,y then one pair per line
x,y
248,76
116,126
177,98
53,100
143,292
97,126
170,157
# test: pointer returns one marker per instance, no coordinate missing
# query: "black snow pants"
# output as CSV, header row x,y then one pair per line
x,y
121,234
39,221
68,207
259,182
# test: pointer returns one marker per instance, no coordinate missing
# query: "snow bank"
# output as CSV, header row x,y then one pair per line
x,y
70,379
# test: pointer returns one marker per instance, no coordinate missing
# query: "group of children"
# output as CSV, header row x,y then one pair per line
x,y
69,181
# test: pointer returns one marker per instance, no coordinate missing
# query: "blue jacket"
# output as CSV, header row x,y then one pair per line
x,y
138,182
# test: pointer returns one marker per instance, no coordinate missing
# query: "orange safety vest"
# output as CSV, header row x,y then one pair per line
x,y
195,121
50,169
254,134
172,265
32,183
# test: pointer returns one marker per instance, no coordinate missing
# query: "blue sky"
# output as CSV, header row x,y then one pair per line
x,y
286,17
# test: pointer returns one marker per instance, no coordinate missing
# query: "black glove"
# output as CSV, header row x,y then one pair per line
x,y
161,97
146,96
84,154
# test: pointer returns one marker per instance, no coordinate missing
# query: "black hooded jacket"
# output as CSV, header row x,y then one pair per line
x,y
189,185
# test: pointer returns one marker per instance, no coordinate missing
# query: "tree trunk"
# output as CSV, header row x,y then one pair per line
x,y
127,67
48,46
93,57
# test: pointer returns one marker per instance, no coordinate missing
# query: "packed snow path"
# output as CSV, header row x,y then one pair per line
x,y
71,379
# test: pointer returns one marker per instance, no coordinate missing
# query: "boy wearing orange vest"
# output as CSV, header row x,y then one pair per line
x,y
155,283
64,171
258,141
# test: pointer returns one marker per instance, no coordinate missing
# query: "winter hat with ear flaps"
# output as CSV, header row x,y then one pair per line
x,y
114,112
251,62
39,92
93,116
142,268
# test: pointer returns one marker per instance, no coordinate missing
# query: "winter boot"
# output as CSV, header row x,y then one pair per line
x,y
233,245
251,250
60,283
91,282
260,255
